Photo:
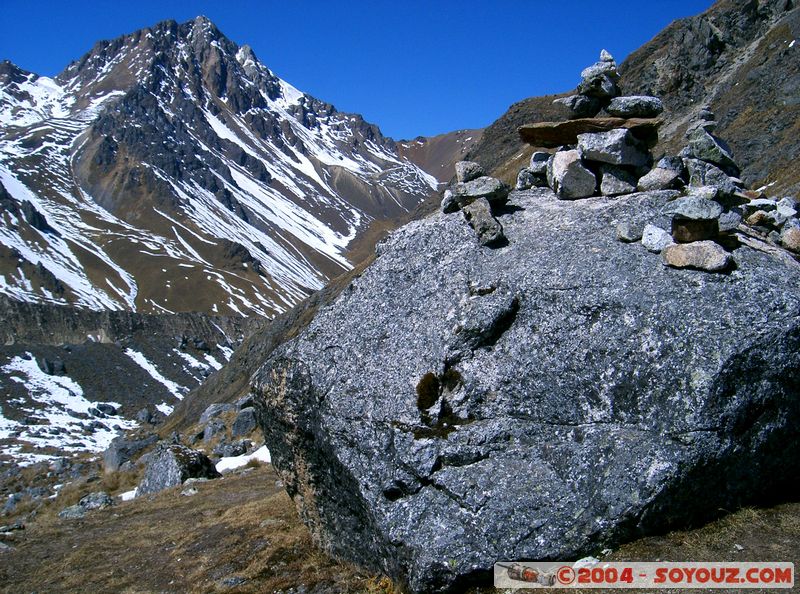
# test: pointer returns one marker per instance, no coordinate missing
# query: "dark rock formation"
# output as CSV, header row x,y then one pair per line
x,y
457,405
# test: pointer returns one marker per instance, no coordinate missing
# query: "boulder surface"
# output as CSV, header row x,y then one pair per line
x,y
459,405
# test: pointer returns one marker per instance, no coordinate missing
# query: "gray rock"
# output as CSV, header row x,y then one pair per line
x,y
122,449
245,422
616,180
693,207
490,188
215,410
525,179
764,204
700,255
171,464
787,207
605,56
615,147
570,178
73,512
629,231
602,86
449,202
655,239
212,429
706,147
144,416
619,398
580,106
467,171
660,179
601,68
4,548
702,173
228,450
729,220
673,163
636,106
97,500
538,163
106,408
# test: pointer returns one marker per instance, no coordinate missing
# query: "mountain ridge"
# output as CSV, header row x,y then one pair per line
x,y
176,139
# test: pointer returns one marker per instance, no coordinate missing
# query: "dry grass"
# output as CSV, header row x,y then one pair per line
x,y
241,526
245,526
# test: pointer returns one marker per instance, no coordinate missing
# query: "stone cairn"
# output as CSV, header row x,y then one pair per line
x,y
604,149
478,196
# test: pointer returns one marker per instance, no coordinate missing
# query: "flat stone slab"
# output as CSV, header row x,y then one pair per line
x,y
553,134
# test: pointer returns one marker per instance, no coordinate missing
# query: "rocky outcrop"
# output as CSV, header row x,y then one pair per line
x,y
459,405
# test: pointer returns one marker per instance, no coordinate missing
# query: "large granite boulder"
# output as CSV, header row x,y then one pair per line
x,y
459,405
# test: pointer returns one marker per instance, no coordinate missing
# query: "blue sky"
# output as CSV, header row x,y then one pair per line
x,y
413,67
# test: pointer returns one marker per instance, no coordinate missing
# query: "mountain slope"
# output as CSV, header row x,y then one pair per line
x,y
739,58
169,170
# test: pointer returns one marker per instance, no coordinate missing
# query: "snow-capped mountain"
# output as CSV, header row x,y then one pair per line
x,y
170,170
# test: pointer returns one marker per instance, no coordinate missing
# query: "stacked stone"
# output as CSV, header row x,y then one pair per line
x,y
609,162
715,204
476,195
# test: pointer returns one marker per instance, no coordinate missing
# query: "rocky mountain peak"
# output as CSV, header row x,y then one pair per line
x,y
176,132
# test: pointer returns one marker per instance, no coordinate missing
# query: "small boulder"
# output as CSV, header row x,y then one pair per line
x,y
580,106
570,179
616,180
214,428
763,204
790,236
122,449
706,147
525,179
215,410
655,239
693,207
637,106
615,147
106,408
490,188
538,164
245,422
602,86
170,465
729,220
144,416
479,216
97,500
702,173
228,450
467,171
449,202
73,512
628,231
700,255
660,179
